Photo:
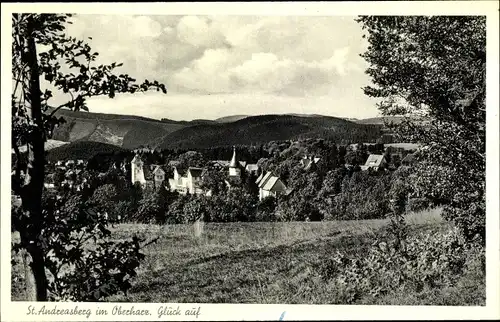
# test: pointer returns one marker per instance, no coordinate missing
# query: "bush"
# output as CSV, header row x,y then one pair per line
x,y
426,261
175,212
417,204
83,263
363,196
266,209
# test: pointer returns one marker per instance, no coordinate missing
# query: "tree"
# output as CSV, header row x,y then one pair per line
x,y
299,204
40,49
192,159
149,209
355,158
433,71
214,180
105,198
194,210
175,212
332,186
266,209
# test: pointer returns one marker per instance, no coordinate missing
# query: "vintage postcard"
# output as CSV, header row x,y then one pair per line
x,y
250,161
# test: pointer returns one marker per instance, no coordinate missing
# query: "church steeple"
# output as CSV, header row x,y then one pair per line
x,y
234,160
234,166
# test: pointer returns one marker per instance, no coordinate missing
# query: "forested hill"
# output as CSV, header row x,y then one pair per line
x,y
128,131
84,150
265,128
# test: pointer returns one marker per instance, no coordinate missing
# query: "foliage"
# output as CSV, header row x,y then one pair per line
x,y
446,58
427,261
364,195
104,197
236,205
195,210
191,159
82,262
41,50
149,208
214,180
266,209
331,187
357,157
298,205
175,213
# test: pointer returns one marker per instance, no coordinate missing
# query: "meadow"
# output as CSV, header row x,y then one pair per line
x,y
258,262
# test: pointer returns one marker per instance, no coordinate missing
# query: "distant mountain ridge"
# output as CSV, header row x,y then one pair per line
x,y
265,128
130,131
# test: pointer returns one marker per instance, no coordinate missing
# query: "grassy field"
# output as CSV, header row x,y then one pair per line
x,y
249,262
254,262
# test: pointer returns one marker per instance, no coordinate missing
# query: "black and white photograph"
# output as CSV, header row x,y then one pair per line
x,y
247,159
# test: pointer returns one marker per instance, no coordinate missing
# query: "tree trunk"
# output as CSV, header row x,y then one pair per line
x,y
33,184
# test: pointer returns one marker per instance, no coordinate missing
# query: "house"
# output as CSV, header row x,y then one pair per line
x,y
309,161
188,181
138,170
252,168
235,168
374,162
270,185
158,175
49,185
152,175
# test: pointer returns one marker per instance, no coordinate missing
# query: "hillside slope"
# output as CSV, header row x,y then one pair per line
x,y
265,128
381,120
81,150
126,131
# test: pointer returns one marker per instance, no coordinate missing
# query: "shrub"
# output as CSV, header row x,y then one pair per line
x,y
82,261
266,209
417,204
175,212
421,262
363,196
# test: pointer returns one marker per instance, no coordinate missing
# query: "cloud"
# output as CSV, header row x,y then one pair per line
x,y
222,70
266,56
199,31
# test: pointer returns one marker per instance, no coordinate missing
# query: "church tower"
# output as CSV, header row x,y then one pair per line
x,y
137,170
234,166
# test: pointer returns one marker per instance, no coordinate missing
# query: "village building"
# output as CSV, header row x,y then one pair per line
x,y
374,162
151,176
138,170
187,181
270,185
252,168
309,162
235,170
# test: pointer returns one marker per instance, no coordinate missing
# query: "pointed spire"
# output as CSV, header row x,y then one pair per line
x,y
234,161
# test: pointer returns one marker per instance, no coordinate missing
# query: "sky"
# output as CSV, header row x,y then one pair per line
x,y
214,66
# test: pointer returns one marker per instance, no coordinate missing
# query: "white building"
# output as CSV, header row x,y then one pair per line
x,y
186,182
234,166
375,162
137,167
270,185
